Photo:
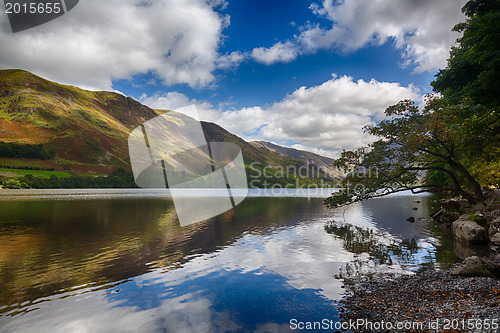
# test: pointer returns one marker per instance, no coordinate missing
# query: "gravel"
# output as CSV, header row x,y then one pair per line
x,y
450,303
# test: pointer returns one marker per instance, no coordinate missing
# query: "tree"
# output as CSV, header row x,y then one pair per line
x,y
413,146
474,65
471,77
450,145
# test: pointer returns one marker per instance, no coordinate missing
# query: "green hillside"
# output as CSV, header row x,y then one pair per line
x,y
86,130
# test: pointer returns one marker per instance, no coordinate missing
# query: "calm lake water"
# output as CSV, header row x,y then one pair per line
x,y
118,260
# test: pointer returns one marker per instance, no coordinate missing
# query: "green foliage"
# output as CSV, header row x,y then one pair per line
x,y
481,220
118,178
13,184
473,66
439,138
488,174
15,150
264,176
452,144
34,172
471,78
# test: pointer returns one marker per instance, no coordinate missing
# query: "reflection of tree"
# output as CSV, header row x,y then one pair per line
x,y
358,240
367,241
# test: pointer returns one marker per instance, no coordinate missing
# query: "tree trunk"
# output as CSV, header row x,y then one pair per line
x,y
476,187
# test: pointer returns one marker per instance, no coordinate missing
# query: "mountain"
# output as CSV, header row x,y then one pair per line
x,y
87,131
322,162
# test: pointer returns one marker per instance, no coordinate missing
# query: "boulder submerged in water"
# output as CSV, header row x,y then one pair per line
x,y
475,266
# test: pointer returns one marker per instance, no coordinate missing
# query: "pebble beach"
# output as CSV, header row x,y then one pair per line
x,y
428,301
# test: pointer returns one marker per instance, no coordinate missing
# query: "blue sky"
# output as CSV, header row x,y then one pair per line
x,y
307,74
262,24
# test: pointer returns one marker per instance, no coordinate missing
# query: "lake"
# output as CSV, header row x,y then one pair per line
x,y
118,260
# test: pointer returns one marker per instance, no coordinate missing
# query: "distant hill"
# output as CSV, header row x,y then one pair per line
x,y
325,163
83,131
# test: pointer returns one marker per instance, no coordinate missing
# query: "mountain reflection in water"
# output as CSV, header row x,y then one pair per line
x,y
125,264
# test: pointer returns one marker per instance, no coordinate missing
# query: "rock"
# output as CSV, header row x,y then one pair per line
x,y
489,201
463,250
496,238
492,266
443,216
479,206
455,204
480,219
475,266
469,231
494,228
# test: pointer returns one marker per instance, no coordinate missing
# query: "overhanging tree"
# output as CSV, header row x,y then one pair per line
x,y
414,150
453,140
472,75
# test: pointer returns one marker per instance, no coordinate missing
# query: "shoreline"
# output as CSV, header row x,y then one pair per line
x,y
435,299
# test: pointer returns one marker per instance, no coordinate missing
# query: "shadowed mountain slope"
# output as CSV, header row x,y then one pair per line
x,y
87,131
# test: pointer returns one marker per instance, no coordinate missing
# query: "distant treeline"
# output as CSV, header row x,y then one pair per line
x,y
15,150
26,168
118,178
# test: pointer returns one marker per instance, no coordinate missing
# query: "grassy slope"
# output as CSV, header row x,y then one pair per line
x,y
37,173
87,130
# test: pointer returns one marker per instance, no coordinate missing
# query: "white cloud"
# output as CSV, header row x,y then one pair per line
x,y
175,100
280,52
321,119
231,60
99,41
94,312
421,29
315,150
291,253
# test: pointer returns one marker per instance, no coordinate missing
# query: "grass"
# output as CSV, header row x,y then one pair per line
x,y
37,173
19,163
